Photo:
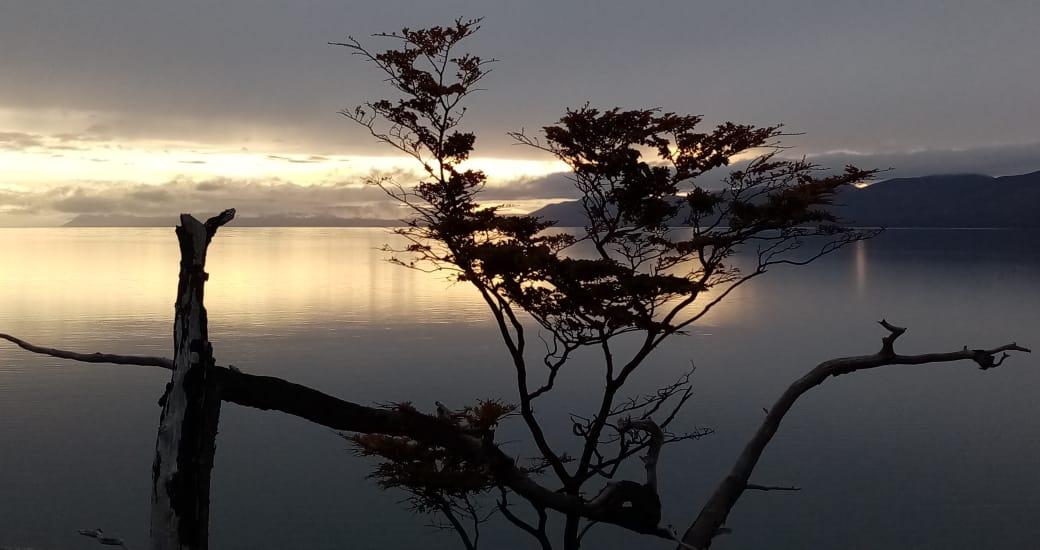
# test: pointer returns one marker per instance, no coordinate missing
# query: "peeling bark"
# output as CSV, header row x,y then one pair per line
x,y
186,442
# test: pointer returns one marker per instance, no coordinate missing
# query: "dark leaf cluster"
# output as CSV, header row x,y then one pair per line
x,y
657,252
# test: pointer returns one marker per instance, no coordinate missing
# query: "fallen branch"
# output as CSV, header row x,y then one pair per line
x,y
276,394
270,393
141,360
713,515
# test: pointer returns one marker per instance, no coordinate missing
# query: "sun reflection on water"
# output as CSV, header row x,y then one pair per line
x,y
260,279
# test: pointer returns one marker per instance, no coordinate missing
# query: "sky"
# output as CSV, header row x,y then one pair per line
x,y
151,107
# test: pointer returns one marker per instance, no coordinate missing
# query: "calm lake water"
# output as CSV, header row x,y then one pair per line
x,y
904,457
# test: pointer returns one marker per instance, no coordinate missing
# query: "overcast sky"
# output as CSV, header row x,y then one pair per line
x,y
104,96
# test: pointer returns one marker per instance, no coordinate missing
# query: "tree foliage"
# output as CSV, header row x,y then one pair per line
x,y
657,252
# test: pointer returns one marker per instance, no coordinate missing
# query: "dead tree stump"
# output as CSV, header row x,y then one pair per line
x,y
186,442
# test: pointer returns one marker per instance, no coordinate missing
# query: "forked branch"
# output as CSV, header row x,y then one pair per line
x,y
713,515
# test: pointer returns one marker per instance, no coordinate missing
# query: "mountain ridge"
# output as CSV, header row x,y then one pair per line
x,y
935,201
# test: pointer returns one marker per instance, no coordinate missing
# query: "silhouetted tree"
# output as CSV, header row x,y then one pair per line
x,y
629,273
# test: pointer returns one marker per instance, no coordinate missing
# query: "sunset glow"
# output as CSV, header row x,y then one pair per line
x,y
57,161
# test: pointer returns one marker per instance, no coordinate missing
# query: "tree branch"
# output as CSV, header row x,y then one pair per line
x,y
713,515
271,393
757,487
537,532
141,360
653,447
445,508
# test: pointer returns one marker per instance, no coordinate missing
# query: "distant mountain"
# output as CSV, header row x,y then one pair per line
x,y
967,200
957,200
275,220
119,220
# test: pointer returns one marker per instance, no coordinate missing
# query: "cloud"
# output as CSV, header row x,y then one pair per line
x,y
25,141
999,160
80,201
310,159
353,198
552,186
349,198
252,197
207,186
152,195
19,141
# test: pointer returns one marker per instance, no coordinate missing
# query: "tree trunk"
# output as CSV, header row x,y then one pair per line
x,y
186,442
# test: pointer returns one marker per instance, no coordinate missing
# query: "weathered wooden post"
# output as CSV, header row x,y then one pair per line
x,y
186,442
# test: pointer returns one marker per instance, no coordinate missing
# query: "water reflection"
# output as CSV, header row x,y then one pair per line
x,y
261,278
902,458
859,251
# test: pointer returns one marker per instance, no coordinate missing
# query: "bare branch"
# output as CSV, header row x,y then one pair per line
x,y
218,221
757,487
888,342
653,452
713,515
539,532
140,360
470,543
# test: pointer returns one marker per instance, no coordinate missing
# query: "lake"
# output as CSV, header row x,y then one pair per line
x,y
937,456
